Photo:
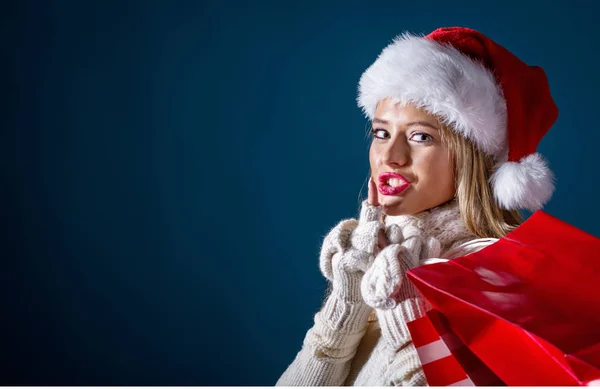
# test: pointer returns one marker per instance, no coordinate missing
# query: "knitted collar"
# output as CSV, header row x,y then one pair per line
x,y
442,222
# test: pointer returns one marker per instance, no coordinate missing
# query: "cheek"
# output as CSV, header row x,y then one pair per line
x,y
436,169
372,158
446,173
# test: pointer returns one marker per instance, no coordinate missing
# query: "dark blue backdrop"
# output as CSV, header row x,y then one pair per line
x,y
170,168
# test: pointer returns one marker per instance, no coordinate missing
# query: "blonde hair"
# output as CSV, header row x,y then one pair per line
x,y
472,171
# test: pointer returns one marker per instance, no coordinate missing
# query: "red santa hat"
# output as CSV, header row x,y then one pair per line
x,y
482,91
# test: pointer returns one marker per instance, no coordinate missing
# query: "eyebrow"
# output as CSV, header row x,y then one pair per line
x,y
419,123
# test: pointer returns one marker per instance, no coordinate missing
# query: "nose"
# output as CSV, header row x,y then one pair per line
x,y
396,153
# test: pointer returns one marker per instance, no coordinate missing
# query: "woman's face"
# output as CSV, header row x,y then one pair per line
x,y
411,167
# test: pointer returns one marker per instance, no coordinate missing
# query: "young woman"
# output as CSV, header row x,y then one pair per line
x,y
456,119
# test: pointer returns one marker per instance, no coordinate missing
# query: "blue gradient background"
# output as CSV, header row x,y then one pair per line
x,y
170,168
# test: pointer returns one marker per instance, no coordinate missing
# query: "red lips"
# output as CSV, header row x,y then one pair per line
x,y
388,190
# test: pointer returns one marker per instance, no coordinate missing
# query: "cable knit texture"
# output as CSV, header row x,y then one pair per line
x,y
359,336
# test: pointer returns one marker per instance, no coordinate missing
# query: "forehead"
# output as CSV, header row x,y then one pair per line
x,y
394,111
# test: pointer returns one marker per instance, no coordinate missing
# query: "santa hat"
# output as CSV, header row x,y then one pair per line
x,y
482,91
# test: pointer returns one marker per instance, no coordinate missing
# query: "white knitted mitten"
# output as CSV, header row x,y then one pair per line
x,y
331,344
386,288
397,302
347,252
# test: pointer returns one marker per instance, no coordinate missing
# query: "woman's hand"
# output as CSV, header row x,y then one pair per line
x,y
386,287
373,200
351,247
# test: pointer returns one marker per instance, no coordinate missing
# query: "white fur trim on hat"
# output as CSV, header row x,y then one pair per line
x,y
528,183
443,81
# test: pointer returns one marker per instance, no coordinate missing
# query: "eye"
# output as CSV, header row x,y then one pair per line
x,y
379,133
421,137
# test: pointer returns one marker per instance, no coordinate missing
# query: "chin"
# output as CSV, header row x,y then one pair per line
x,y
394,209
399,206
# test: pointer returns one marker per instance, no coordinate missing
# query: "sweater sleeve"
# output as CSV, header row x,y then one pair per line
x,y
406,369
329,346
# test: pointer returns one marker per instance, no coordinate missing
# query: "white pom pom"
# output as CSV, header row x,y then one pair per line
x,y
528,183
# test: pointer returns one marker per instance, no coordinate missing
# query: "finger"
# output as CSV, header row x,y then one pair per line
x,y
394,233
370,213
372,195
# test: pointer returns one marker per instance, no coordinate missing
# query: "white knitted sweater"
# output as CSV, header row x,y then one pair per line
x,y
367,343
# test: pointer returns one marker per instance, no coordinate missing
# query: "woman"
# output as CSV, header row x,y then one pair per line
x,y
456,119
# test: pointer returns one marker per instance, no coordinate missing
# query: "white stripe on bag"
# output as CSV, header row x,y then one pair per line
x,y
466,382
433,351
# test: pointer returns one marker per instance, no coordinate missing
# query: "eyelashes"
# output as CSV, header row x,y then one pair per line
x,y
374,132
413,136
428,138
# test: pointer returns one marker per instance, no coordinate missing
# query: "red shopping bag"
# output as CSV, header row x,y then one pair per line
x,y
446,361
527,306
